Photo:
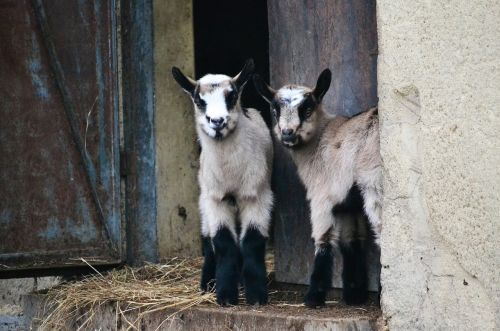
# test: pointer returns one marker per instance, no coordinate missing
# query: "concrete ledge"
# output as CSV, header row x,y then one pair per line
x,y
252,319
11,322
272,317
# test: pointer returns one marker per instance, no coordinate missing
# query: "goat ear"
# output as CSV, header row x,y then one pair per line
x,y
263,89
185,82
241,79
323,84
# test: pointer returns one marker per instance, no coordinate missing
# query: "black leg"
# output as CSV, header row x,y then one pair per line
x,y
208,271
321,277
377,254
253,249
227,270
241,281
355,273
379,293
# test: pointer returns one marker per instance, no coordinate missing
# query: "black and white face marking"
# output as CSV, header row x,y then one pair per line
x,y
294,108
216,99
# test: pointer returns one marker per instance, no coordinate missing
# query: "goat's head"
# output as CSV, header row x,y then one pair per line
x,y
216,99
295,108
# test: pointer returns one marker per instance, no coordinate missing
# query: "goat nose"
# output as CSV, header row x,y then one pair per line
x,y
217,121
288,135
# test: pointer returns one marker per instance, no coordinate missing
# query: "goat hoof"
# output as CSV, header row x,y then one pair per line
x,y
256,297
261,301
227,297
207,285
354,296
224,302
315,299
256,291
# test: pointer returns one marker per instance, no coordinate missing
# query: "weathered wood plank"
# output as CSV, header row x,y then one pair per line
x,y
59,182
139,130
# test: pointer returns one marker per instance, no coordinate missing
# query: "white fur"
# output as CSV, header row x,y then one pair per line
x,y
336,153
214,98
216,104
213,95
213,79
329,174
292,95
240,166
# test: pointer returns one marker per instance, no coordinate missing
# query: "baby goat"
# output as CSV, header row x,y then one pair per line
x,y
234,179
338,161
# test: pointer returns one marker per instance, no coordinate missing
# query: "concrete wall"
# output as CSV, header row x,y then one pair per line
x,y
439,90
176,147
13,294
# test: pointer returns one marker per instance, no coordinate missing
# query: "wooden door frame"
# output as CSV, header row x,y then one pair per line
x,y
139,157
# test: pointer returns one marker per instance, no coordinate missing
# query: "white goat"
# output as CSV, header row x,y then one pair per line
x,y
338,161
234,179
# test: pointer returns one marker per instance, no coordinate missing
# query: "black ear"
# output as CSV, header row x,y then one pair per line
x,y
263,89
322,85
241,79
185,82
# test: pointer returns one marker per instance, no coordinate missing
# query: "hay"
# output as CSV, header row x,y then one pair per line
x,y
172,286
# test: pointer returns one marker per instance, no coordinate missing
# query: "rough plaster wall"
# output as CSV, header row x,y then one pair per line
x,y
439,90
176,147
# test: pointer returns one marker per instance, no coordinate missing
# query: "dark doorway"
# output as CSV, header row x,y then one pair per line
x,y
228,32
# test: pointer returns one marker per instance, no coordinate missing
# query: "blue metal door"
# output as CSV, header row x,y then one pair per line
x,y
59,144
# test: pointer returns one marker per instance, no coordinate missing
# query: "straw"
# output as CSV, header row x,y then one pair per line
x,y
172,287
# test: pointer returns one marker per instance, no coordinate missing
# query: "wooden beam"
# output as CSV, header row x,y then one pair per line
x,y
139,130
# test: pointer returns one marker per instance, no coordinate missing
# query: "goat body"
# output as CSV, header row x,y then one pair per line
x,y
344,153
234,179
338,160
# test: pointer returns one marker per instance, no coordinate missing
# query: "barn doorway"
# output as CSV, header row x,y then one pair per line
x,y
292,42
227,34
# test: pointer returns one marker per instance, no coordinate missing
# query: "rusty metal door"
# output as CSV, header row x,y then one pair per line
x,y
59,145
306,36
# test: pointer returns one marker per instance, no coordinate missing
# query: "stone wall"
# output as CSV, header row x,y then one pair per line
x,y
13,294
439,98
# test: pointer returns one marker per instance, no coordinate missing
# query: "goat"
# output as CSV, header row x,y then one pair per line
x,y
234,178
338,161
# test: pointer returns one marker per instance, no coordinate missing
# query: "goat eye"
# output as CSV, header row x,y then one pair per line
x,y
231,99
200,103
275,109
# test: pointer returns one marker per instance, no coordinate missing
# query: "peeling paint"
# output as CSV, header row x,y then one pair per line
x,y
34,65
5,217
56,202
51,231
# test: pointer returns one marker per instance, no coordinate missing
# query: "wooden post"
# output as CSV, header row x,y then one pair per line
x,y
139,131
